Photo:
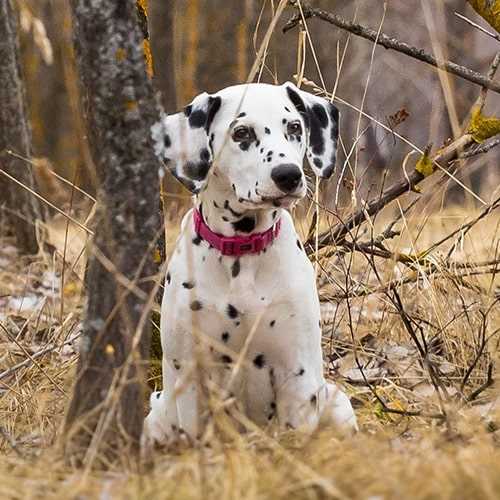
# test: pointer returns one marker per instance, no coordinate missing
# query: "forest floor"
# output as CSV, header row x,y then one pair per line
x,y
442,444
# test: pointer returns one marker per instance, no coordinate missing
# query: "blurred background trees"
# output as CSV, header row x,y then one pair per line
x,y
213,43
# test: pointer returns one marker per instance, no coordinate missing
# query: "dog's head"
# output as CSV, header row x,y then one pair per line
x,y
256,136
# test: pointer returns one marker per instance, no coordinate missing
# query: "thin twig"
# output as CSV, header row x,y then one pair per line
x,y
37,354
390,42
411,180
481,148
496,36
13,339
11,441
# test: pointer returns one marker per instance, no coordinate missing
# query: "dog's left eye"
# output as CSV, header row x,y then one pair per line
x,y
242,134
294,128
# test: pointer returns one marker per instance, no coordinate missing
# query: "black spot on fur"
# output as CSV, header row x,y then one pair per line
x,y
272,323
205,154
225,336
196,305
318,163
234,187
196,240
158,395
301,372
261,150
166,141
257,144
314,399
168,278
244,146
215,205
232,312
188,284
266,130
241,115
287,109
259,361
282,155
299,244
225,219
235,268
226,359
275,212
245,225
176,364
197,118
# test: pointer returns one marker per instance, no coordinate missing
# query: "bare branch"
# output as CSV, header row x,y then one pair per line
x,y
443,158
390,42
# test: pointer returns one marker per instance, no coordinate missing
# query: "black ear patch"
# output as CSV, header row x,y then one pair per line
x,y
181,141
213,106
297,100
321,120
197,118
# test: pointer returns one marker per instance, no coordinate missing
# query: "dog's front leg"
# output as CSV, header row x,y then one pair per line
x,y
186,390
161,424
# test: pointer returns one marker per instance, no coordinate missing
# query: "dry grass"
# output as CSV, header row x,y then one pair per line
x,y
394,456
428,429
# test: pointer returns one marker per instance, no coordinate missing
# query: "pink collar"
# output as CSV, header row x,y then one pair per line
x,y
235,245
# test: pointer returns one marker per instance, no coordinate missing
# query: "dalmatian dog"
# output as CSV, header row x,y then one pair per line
x,y
240,292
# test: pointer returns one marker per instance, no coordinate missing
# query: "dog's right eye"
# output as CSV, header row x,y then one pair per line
x,y
242,134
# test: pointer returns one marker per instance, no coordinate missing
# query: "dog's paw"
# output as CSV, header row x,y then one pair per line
x,y
339,411
158,430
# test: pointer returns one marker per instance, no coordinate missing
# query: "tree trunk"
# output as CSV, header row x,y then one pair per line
x,y
22,208
106,412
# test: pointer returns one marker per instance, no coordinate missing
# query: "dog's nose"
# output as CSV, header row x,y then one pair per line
x,y
287,177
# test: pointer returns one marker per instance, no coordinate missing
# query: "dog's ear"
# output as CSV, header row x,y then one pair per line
x,y
321,118
182,141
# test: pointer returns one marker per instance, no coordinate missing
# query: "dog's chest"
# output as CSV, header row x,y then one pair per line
x,y
248,283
